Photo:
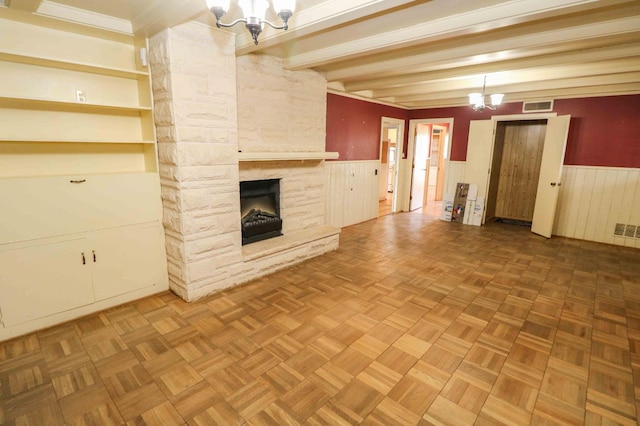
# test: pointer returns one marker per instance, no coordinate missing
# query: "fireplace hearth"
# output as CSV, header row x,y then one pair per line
x,y
260,210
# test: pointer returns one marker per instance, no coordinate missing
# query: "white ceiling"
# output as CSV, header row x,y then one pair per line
x,y
421,53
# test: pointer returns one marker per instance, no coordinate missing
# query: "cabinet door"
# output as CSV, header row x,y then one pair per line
x,y
126,259
42,280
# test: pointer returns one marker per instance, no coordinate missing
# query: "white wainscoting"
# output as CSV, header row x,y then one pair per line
x,y
352,191
593,200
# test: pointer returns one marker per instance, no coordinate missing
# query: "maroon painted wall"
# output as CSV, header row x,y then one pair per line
x,y
604,131
353,127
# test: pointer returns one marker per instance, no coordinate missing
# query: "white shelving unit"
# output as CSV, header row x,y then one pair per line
x,y
82,215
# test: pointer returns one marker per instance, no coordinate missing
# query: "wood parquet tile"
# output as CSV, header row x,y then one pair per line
x,y
412,321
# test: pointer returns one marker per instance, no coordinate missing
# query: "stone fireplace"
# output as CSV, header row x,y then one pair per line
x,y
260,210
222,120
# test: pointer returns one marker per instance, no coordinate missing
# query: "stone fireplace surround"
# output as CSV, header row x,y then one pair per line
x,y
211,137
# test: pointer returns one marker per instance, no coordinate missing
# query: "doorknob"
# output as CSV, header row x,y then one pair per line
x,y
553,184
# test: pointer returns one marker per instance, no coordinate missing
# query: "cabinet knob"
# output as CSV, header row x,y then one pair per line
x,y
84,261
94,255
78,181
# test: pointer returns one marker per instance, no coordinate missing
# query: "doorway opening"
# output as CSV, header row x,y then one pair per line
x,y
480,168
515,171
429,150
391,152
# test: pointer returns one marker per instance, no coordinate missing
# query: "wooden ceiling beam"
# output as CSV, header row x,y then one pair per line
x,y
161,14
537,95
519,88
24,5
518,46
500,15
498,80
315,19
443,71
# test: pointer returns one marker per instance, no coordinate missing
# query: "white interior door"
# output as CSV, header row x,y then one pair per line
x,y
419,171
549,183
479,154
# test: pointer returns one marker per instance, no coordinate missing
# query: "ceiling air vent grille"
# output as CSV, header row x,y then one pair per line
x,y
537,106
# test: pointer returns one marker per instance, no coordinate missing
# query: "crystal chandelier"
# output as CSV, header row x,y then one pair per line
x,y
254,14
477,99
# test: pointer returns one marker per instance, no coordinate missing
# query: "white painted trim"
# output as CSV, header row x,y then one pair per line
x,y
411,148
577,166
400,179
85,17
515,117
353,161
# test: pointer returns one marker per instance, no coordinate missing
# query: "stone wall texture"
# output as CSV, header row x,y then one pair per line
x,y
208,105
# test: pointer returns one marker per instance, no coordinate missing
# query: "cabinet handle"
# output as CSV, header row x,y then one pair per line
x,y
94,255
78,181
84,261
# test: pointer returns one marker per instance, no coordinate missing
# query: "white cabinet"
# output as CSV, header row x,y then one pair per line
x,y
58,205
43,279
126,259
80,204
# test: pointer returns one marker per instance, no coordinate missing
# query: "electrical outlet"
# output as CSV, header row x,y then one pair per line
x,y
81,96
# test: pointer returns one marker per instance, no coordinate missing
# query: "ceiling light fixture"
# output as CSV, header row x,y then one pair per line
x,y
254,14
477,99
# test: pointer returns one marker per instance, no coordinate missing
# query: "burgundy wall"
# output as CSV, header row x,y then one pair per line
x,y
604,131
353,127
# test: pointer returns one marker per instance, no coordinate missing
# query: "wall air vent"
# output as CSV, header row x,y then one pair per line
x,y
537,106
630,231
619,229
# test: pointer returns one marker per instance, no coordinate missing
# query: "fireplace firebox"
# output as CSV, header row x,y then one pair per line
x,y
260,210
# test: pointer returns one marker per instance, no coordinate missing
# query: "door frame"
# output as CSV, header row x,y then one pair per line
x,y
386,122
413,125
514,117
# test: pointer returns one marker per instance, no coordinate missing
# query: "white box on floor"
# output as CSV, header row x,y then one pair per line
x,y
478,211
468,212
447,207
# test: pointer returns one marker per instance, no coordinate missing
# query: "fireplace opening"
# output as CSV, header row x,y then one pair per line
x,y
260,210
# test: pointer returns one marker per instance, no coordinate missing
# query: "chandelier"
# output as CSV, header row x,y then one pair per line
x,y
477,99
254,14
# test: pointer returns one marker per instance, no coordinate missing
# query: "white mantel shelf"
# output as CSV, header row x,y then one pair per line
x,y
289,155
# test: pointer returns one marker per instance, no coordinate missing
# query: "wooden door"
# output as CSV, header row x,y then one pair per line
x,y
519,168
555,144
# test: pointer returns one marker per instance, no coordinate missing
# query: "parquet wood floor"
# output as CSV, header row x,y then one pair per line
x,y
412,321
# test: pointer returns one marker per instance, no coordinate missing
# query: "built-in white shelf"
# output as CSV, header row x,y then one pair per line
x,y
9,101
72,65
285,242
279,156
79,141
